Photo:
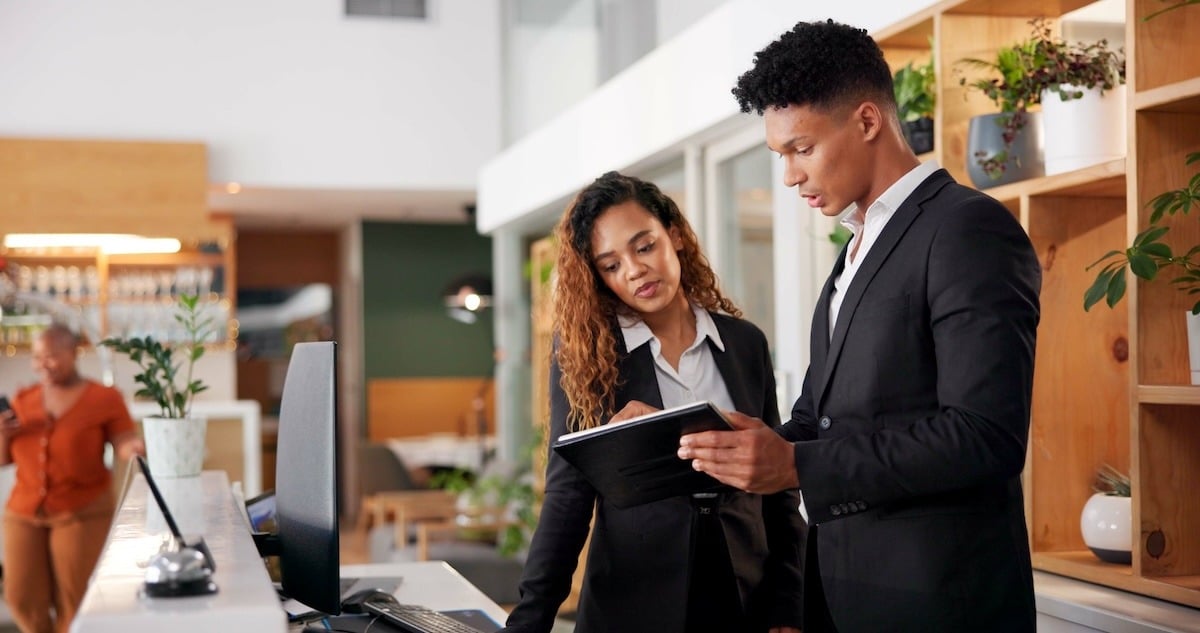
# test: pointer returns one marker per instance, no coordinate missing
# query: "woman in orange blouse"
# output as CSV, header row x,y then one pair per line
x,y
61,505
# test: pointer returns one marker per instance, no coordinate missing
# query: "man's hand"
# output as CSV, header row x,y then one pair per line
x,y
633,409
784,629
752,457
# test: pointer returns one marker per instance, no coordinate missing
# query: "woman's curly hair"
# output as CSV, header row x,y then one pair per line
x,y
825,65
585,309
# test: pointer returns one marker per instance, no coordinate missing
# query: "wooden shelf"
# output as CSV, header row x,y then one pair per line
x,y
167,260
1085,566
1183,96
912,32
1103,180
1012,8
1182,395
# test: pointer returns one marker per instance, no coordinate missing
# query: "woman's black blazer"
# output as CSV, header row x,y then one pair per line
x,y
638,562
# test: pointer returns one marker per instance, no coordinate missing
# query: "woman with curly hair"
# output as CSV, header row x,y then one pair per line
x,y
642,325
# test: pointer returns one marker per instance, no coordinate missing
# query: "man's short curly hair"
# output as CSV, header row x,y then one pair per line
x,y
824,65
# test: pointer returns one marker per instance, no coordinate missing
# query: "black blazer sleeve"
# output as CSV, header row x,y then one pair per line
x,y
561,531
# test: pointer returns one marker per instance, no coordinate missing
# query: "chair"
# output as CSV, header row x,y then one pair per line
x,y
379,470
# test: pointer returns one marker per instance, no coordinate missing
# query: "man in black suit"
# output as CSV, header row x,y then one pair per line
x,y
909,436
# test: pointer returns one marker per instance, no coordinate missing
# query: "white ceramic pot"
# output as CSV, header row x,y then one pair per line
x,y
1193,338
174,448
1082,132
1107,525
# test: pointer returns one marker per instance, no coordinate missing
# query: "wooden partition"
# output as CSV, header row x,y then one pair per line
x,y
406,407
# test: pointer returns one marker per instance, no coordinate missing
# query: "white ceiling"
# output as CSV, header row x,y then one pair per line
x,y
268,208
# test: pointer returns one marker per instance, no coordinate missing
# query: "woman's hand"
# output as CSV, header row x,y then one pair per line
x,y
784,629
128,445
10,426
632,410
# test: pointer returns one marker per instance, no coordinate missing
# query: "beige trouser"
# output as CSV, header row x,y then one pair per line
x,y
47,563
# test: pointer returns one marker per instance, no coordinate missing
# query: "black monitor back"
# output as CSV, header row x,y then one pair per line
x,y
306,478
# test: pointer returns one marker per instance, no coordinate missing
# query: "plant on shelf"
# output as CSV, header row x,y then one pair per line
x,y
1044,62
1112,482
1177,5
915,90
1149,254
175,440
1106,522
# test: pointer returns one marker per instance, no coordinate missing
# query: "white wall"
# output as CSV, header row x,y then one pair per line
x,y
287,93
676,15
670,96
551,65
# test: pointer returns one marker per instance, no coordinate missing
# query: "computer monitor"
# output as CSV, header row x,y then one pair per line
x,y
306,503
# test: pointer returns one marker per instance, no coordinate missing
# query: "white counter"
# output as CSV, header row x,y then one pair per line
x,y
245,600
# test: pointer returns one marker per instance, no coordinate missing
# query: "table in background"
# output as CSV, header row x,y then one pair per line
x,y
443,450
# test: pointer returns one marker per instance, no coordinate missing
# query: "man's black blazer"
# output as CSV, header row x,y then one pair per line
x,y
912,423
637,565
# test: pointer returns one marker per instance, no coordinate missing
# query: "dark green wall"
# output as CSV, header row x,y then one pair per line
x,y
406,330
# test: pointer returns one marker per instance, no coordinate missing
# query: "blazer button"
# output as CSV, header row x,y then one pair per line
x,y
825,423
835,510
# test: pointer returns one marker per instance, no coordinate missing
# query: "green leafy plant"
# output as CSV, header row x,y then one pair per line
x,y
915,88
168,382
1149,254
840,236
1177,5
1020,73
1112,482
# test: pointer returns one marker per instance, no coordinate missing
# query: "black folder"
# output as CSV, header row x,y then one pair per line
x,y
636,461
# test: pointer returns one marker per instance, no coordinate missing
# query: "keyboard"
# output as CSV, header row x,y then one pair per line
x,y
416,619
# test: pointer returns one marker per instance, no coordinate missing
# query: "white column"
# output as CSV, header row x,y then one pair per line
x,y
511,322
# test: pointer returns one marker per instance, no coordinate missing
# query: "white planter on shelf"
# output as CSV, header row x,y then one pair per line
x,y
1107,526
174,447
1085,131
1193,339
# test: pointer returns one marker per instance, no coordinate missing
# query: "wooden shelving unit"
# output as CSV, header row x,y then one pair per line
x,y
107,266
1111,385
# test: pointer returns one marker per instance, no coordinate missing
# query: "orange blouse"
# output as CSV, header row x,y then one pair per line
x,y
60,466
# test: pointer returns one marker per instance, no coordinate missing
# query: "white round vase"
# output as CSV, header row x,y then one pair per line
x,y
1107,525
174,447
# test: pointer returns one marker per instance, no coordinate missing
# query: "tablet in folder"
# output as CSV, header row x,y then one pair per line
x,y
636,461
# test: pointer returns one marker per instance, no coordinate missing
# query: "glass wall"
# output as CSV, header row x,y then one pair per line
x,y
558,51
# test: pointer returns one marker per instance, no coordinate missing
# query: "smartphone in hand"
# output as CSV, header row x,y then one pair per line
x,y
8,417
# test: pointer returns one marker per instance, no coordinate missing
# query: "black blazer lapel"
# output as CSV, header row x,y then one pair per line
x,y
880,250
819,340
731,370
641,383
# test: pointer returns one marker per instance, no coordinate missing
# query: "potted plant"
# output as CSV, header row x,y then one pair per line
x,y
496,505
1023,76
1149,254
915,99
1107,518
174,439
